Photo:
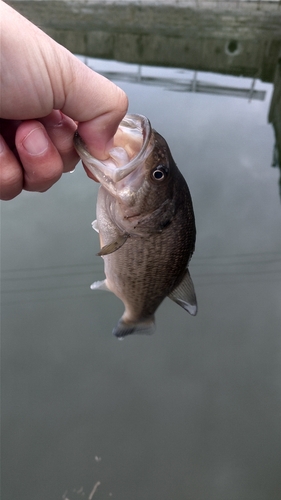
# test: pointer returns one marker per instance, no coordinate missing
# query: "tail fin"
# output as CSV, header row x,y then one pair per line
x,y
124,328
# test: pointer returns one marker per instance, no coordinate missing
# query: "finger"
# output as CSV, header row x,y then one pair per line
x,y
11,174
8,130
42,163
55,79
60,129
98,133
99,108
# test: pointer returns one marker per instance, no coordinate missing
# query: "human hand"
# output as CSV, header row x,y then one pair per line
x,y
45,93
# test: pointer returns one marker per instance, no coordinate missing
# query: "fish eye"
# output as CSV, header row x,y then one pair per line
x,y
159,173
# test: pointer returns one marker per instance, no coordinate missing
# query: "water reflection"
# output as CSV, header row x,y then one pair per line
x,y
194,410
181,80
178,80
275,118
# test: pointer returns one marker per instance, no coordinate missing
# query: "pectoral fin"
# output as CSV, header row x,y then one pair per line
x,y
184,294
115,245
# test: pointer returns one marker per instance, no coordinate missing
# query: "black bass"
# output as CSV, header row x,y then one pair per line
x,y
145,222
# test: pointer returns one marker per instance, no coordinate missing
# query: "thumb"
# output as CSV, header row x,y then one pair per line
x,y
95,102
41,75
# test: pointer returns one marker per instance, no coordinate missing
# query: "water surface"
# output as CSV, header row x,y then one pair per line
x,y
192,412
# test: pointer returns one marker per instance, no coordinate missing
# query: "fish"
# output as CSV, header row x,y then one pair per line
x,y
146,224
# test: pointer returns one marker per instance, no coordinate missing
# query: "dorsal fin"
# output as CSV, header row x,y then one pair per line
x,y
184,294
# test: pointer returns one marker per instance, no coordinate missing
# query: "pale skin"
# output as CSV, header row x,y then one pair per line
x,y
46,94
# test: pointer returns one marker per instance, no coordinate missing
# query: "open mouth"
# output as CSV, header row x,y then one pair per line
x,y
131,145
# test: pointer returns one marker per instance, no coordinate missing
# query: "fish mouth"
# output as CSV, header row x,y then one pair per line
x,y
131,147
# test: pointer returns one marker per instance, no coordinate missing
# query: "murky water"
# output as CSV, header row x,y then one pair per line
x,y
192,412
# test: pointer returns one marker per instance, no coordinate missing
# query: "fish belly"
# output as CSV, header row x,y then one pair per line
x,y
144,270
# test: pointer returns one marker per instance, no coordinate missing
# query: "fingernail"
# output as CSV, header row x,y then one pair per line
x,y
36,142
54,119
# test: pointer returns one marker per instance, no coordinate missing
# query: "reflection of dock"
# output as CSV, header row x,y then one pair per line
x,y
274,117
231,37
186,82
